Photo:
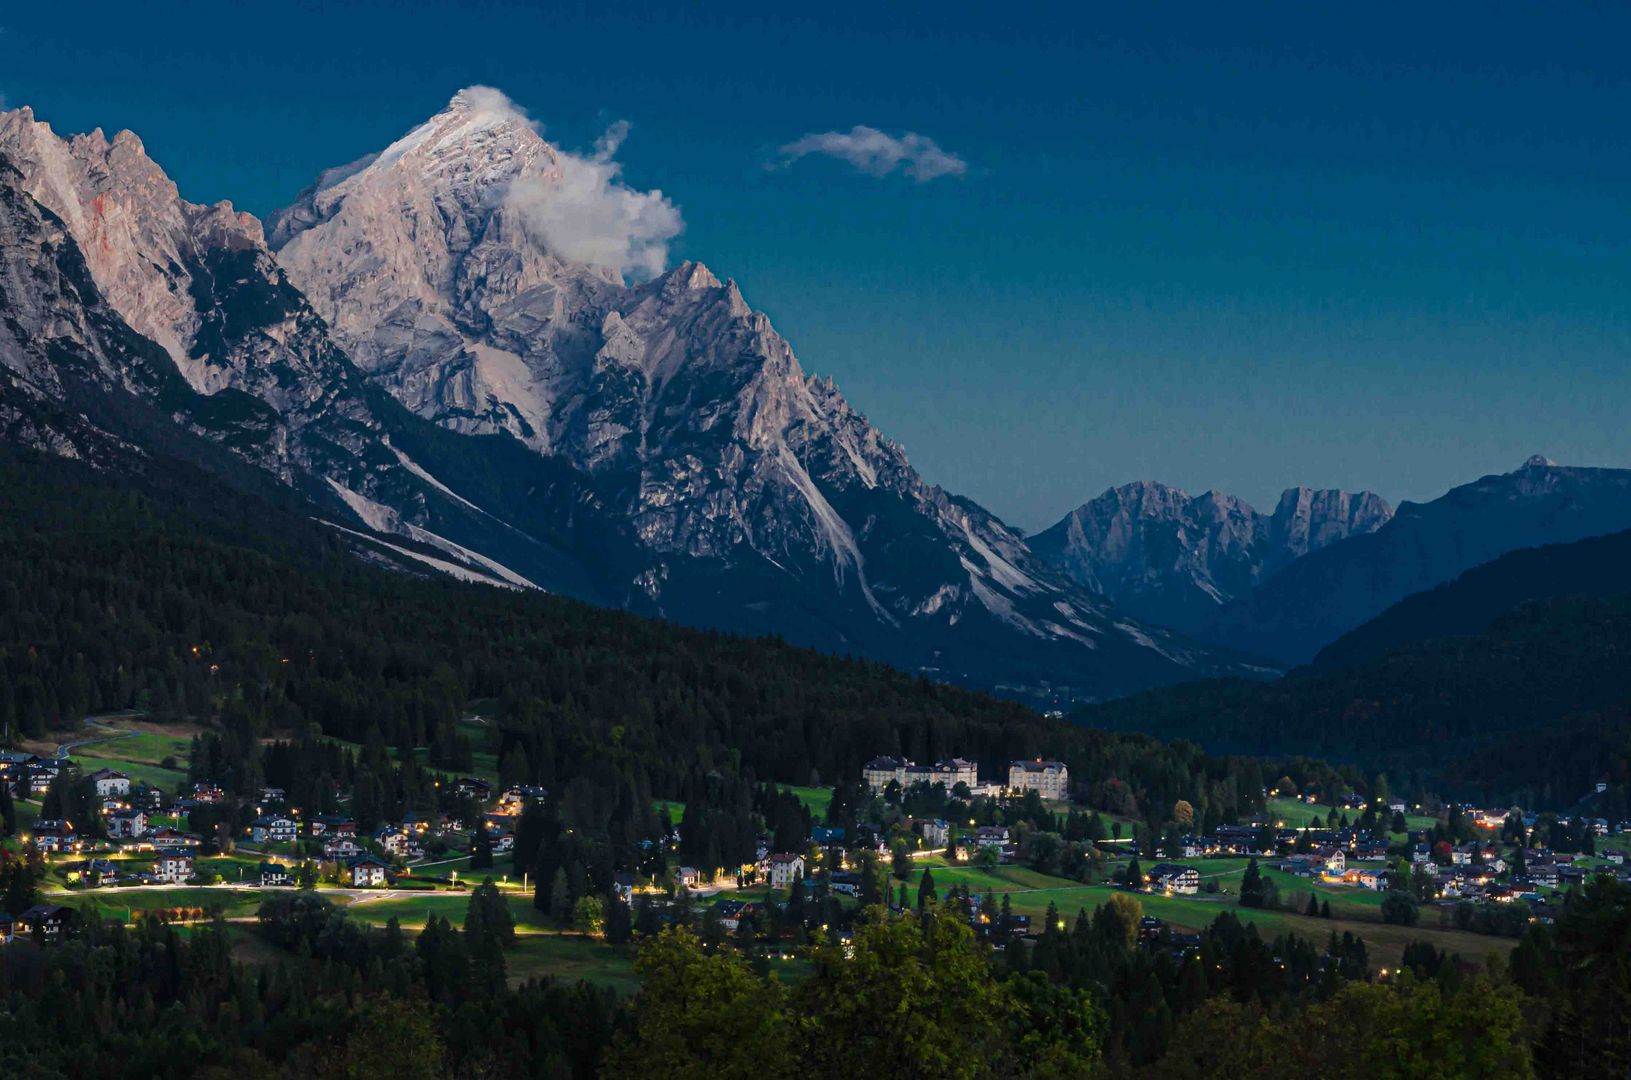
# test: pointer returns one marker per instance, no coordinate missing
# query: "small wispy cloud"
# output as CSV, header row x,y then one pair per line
x,y
877,153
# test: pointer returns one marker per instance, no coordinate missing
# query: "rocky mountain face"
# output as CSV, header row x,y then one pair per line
x,y
1175,559
424,361
1316,599
134,316
56,332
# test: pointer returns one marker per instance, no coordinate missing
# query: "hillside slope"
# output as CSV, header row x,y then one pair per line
x,y
1599,566
1418,708
156,586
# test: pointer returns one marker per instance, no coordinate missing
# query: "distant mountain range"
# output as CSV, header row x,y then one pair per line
x,y
415,361
1284,585
1512,682
1175,559
1316,599
405,353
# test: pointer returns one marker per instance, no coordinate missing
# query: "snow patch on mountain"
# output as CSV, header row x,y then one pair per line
x,y
413,467
383,519
452,570
837,532
378,517
1001,570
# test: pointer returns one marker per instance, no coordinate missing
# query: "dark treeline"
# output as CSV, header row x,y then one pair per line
x,y
349,1002
1557,765
1423,706
907,995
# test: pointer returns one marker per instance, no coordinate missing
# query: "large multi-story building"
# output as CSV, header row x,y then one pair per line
x,y
880,771
951,772
1049,779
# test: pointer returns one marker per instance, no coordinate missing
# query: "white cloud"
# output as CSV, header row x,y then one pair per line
x,y
877,153
584,212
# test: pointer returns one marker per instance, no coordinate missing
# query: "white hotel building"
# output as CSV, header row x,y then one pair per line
x,y
880,771
1049,779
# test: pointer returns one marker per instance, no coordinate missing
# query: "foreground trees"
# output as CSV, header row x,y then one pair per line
x,y
905,997
916,995
1368,1031
703,1015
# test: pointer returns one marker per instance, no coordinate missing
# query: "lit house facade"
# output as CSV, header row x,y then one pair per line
x,y
1049,779
881,771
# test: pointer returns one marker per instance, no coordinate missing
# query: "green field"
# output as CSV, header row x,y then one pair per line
x,y
137,754
534,954
570,958
676,809
996,879
815,799
151,747
238,866
131,903
169,780
446,866
1297,814
1347,902
1352,909
411,909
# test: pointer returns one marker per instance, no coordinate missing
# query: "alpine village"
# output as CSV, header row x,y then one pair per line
x,y
431,646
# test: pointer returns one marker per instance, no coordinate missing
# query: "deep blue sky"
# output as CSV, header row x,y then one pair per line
x,y
1218,249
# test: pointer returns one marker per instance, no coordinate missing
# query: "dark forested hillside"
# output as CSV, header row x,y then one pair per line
x,y
1321,596
1557,765
1417,708
163,591
1600,566
159,589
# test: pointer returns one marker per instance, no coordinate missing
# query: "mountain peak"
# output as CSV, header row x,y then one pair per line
x,y
141,241
481,136
478,98
691,274
1173,558
1539,461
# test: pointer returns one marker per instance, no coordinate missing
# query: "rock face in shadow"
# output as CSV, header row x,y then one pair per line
x,y
1176,559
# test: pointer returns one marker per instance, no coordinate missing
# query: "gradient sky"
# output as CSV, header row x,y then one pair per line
x,y
1214,248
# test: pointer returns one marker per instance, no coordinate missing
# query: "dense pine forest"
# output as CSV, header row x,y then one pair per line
x,y
1598,566
162,591
1421,708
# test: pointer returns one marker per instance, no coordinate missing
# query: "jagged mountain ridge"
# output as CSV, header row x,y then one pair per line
x,y
142,309
534,420
1174,559
755,491
1316,599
